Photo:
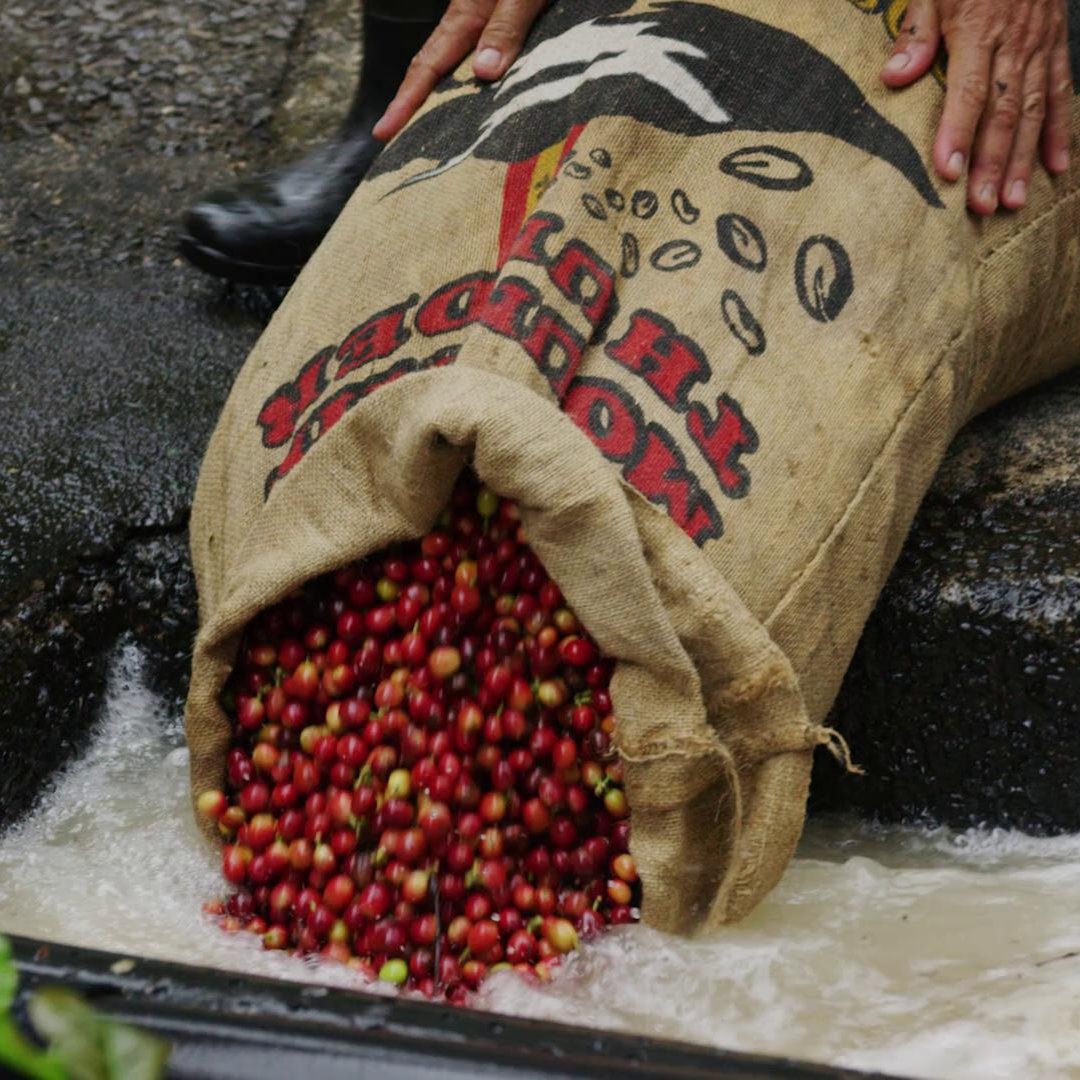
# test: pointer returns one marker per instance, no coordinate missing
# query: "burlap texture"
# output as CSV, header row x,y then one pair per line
x,y
685,288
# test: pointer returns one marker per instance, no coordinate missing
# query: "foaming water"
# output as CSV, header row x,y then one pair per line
x,y
924,953
110,857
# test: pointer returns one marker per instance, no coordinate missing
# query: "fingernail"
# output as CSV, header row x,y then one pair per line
x,y
1017,192
489,57
988,196
956,163
897,62
1061,161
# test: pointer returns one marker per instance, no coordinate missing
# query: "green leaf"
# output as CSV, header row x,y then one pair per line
x,y
72,1030
9,977
91,1046
133,1054
20,1057
83,1045
17,1053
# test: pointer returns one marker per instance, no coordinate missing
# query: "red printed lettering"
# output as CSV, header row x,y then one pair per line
x,y
555,347
668,361
586,280
455,306
529,244
608,415
335,407
506,306
722,441
549,340
314,428
283,408
375,339
661,475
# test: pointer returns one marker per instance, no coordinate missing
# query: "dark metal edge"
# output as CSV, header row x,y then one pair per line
x,y
207,1013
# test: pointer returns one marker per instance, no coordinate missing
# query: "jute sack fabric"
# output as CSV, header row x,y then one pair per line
x,y
684,286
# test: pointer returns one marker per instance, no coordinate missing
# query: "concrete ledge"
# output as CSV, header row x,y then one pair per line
x,y
963,700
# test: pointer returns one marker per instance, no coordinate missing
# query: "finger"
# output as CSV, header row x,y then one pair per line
x,y
449,44
916,45
1014,187
501,40
996,134
1055,140
970,57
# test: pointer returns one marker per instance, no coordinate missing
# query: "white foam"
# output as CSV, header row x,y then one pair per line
x,y
926,953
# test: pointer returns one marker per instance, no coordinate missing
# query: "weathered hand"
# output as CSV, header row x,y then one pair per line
x,y
1009,90
495,28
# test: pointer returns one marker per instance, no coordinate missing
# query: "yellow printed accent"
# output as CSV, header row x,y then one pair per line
x,y
894,17
547,165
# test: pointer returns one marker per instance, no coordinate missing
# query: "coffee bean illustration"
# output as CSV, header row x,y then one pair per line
x,y
675,255
824,280
615,199
768,167
741,241
631,255
643,204
594,207
684,209
577,170
601,157
741,322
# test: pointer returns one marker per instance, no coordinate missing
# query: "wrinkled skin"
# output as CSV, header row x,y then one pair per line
x,y
1009,90
1007,103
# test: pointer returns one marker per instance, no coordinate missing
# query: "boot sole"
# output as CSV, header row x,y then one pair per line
x,y
216,262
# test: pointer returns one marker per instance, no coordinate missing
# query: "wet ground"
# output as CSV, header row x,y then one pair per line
x,y
963,700
115,358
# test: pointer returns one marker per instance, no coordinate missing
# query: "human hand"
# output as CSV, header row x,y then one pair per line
x,y
1009,90
495,28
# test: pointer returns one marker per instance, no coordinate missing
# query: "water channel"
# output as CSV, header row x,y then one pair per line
x,y
920,952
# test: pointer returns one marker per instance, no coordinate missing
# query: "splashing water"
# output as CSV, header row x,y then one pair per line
x,y
924,953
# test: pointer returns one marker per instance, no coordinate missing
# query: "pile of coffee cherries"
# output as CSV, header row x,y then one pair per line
x,y
421,781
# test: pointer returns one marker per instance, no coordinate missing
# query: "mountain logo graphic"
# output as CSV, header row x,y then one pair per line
x,y
688,68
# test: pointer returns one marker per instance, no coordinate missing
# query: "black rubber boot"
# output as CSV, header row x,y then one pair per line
x,y
265,229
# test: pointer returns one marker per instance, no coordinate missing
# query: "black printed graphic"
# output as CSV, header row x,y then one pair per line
x,y
824,280
768,167
578,170
601,157
631,255
684,209
644,204
594,207
615,199
691,69
741,241
675,255
741,322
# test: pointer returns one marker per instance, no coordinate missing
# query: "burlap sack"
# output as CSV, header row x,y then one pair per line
x,y
684,285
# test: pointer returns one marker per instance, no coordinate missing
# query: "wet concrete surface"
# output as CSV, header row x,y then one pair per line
x,y
963,701
115,357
